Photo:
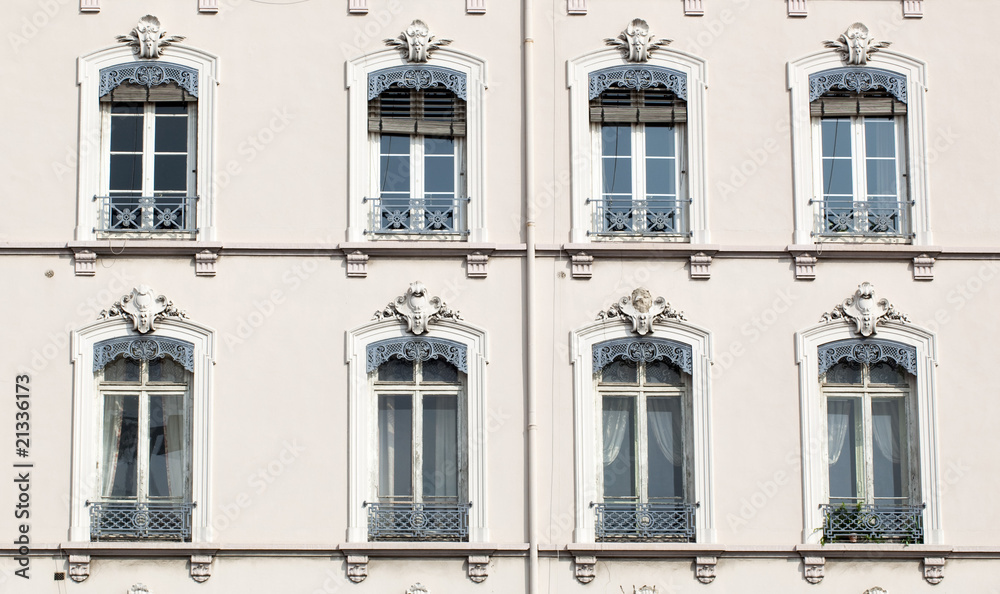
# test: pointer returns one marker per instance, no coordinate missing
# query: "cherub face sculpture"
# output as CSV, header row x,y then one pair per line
x,y
148,34
417,36
637,33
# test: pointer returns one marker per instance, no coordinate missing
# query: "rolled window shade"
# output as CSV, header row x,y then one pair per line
x,y
654,105
856,106
129,93
430,112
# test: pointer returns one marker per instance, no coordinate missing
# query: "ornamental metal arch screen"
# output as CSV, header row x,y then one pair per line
x,y
638,77
412,349
857,80
868,352
148,75
643,350
144,348
417,77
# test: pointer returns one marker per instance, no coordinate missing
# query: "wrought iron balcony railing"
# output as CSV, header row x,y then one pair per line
x,y
418,521
615,217
391,215
645,522
132,520
856,522
875,218
147,214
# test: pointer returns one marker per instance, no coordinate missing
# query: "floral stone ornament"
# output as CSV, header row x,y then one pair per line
x,y
857,45
147,39
636,42
417,310
416,43
143,308
865,311
641,310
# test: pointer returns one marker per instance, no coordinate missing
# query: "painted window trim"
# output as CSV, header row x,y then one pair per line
x,y
578,73
360,168
90,145
587,449
814,440
86,417
804,159
362,424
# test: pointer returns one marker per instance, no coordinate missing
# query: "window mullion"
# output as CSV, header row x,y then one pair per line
x,y
142,451
417,483
638,177
642,449
869,465
148,150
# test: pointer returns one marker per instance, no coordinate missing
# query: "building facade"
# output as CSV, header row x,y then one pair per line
x,y
635,296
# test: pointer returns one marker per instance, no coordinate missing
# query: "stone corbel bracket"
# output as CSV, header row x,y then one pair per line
x,y
923,268
701,264
79,567
357,264
694,8
357,6
477,265
204,263
913,9
84,263
479,568
705,569
201,567
90,5
357,568
797,8
585,568
814,569
805,266
934,569
576,6
582,265
208,6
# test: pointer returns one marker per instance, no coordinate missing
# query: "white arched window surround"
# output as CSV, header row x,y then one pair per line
x,y
815,469
90,147
582,146
86,416
587,422
362,424
359,155
803,158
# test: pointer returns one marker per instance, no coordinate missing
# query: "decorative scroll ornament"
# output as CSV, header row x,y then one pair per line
x,y
856,45
638,78
643,350
867,352
417,310
143,308
138,589
416,43
146,38
413,349
858,80
642,310
417,588
417,77
865,311
636,42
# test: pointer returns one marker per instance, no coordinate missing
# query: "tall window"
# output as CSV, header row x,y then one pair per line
x,y
861,157
145,453
419,177
641,189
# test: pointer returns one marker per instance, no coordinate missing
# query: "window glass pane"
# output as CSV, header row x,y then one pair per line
x,y
616,141
660,141
665,446
166,370
126,108
171,134
843,430
439,174
171,107
617,175
439,370
887,373
394,144
618,446
844,373
395,440
836,137
170,173
439,146
838,177
396,370
394,174
440,472
126,172
880,137
120,460
881,177
122,370
167,447
618,372
663,372
126,133
889,450
661,177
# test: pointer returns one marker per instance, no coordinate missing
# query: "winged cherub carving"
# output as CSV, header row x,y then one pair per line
x,y
416,43
857,45
636,42
146,38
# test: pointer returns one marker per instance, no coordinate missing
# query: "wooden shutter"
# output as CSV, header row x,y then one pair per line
x,y
130,93
654,105
870,104
431,112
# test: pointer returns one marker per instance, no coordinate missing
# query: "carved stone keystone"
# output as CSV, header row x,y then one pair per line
x,y
636,42
864,311
417,310
416,43
147,40
856,45
642,311
143,308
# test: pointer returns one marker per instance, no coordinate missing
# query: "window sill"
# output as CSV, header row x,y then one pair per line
x,y
425,549
634,550
867,550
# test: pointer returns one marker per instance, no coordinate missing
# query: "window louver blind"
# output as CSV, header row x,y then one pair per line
x,y
130,93
430,112
655,105
856,105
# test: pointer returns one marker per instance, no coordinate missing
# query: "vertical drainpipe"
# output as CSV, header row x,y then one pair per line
x,y
527,70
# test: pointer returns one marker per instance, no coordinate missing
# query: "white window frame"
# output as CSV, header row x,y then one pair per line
x,y
815,449
88,411
362,165
93,150
805,154
363,421
584,149
587,422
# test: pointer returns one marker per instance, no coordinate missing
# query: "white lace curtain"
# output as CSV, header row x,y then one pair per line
x,y
838,414
616,416
885,430
666,425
